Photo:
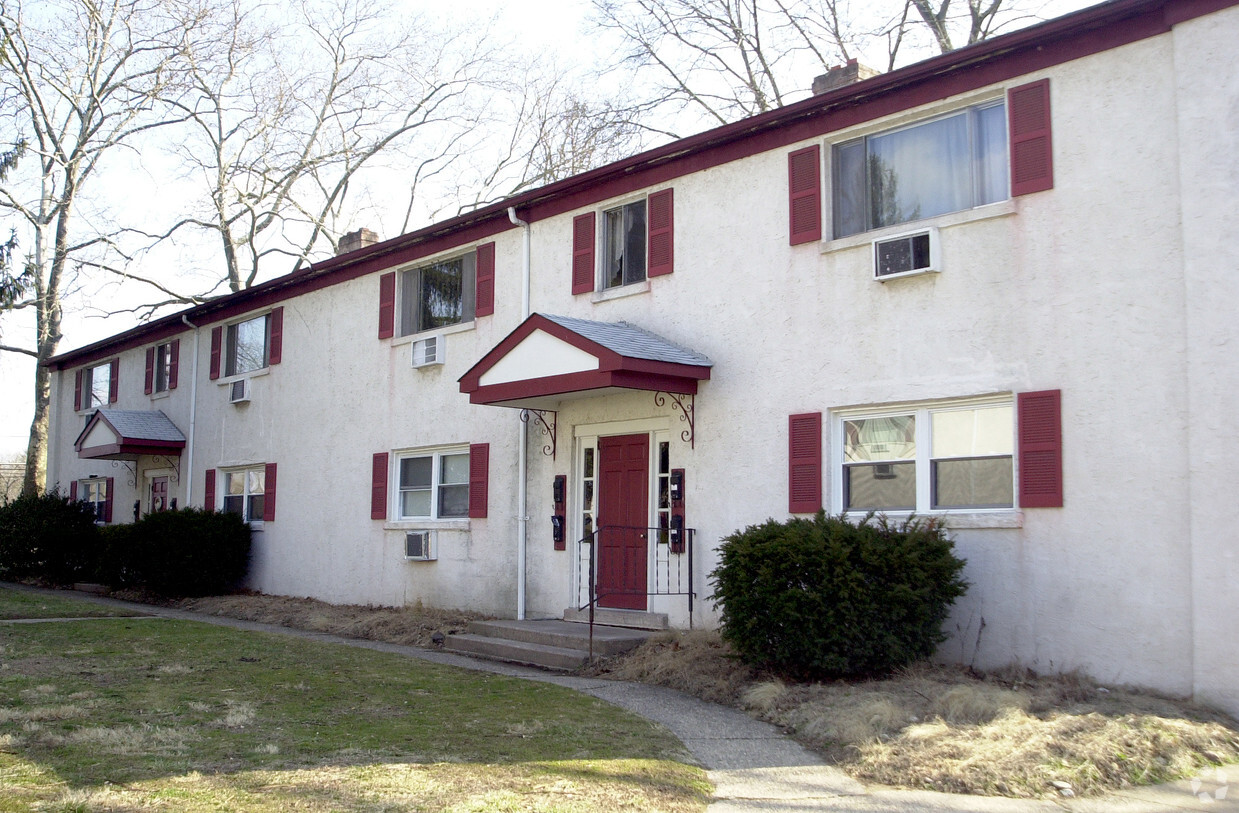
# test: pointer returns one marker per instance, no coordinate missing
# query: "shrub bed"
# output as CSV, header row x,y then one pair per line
x,y
826,598
46,536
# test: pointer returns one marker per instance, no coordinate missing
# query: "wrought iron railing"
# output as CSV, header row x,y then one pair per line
x,y
672,562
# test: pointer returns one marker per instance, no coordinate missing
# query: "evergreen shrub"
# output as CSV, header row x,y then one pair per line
x,y
186,552
827,598
46,536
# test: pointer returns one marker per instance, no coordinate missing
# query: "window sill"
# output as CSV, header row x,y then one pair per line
x,y
426,525
959,520
622,291
158,396
1004,208
397,341
224,381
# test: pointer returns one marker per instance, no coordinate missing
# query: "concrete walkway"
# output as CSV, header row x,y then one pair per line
x,y
753,765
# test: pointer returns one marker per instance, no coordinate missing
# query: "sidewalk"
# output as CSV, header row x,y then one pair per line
x,y
753,766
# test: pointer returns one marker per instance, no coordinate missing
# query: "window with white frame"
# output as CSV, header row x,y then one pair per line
x,y
438,294
163,367
939,457
623,245
96,386
433,485
94,492
245,491
946,164
248,345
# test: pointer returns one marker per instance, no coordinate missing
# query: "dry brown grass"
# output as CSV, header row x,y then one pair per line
x,y
940,727
411,626
1009,733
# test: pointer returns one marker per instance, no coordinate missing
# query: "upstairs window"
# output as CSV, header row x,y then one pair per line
x,y
434,486
162,362
943,165
623,245
248,344
438,295
97,386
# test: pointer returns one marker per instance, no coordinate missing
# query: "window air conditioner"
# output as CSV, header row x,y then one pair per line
x,y
905,255
420,546
428,351
239,391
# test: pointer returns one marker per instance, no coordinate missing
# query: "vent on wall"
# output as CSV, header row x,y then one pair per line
x,y
239,391
905,255
420,546
428,351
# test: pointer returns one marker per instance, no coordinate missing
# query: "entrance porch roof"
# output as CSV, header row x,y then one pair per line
x,y
123,434
548,359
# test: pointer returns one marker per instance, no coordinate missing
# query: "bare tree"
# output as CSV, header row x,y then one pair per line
x,y
77,81
283,116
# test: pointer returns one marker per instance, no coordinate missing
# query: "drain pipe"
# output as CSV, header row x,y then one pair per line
x,y
193,415
522,473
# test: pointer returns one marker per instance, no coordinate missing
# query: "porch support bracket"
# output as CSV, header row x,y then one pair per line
x,y
686,406
173,463
548,427
129,466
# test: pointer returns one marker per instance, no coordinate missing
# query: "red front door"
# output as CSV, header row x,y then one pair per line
x,y
623,514
159,494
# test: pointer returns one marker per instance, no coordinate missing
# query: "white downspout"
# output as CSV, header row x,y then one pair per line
x,y
188,474
522,473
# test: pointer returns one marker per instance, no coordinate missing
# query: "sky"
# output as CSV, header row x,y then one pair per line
x,y
549,26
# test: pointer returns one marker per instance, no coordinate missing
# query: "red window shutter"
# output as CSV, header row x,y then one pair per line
x,y
1041,449
217,347
268,494
485,293
661,220
208,491
583,253
275,343
804,189
479,479
77,390
114,381
150,370
107,500
378,486
804,463
174,362
387,305
1028,113
73,491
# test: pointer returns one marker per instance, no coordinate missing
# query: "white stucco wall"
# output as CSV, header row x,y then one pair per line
x,y
1115,287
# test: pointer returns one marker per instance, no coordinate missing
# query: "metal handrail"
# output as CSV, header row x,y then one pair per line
x,y
663,538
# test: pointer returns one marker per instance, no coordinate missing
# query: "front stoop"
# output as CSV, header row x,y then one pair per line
x,y
633,619
551,644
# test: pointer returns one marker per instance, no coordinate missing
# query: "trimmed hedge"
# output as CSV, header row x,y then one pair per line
x,y
826,598
187,552
47,537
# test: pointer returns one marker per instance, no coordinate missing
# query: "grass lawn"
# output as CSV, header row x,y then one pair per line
x,y
17,604
135,714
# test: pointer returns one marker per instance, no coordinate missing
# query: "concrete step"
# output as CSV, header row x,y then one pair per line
x,y
632,619
562,634
522,652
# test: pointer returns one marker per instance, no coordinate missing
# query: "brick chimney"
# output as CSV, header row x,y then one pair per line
x,y
841,75
355,240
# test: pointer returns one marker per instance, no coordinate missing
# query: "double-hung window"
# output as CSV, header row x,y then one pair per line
x,y
951,456
623,245
946,164
94,492
245,492
248,345
437,295
163,368
95,386
433,485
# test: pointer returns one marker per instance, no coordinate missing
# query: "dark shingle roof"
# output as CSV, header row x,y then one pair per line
x,y
142,424
631,341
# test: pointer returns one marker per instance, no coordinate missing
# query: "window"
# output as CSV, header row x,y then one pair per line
x,y
623,249
248,344
433,486
161,366
97,383
245,493
944,457
946,164
438,295
95,493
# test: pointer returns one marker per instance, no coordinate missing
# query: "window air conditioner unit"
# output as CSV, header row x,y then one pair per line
x,y
428,351
420,546
905,255
239,391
